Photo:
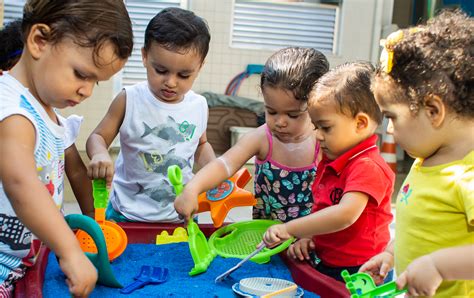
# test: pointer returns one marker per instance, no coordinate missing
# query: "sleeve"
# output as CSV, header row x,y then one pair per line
x,y
366,176
72,125
466,193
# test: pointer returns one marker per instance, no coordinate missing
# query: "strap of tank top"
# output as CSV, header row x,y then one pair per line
x,y
270,142
316,153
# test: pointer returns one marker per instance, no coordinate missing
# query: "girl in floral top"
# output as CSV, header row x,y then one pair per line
x,y
285,148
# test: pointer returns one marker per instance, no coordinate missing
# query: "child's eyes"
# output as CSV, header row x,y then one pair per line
x,y
324,128
293,116
160,71
184,76
271,113
80,75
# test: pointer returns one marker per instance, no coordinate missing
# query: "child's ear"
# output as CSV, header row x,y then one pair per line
x,y
362,121
36,41
435,110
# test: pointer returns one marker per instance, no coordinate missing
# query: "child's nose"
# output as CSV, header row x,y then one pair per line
x,y
280,121
86,90
171,81
319,135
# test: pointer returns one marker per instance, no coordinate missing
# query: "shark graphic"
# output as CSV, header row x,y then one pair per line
x,y
171,131
159,163
163,192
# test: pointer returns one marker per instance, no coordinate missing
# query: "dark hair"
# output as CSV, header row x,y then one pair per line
x,y
296,69
12,45
178,29
89,23
435,60
349,85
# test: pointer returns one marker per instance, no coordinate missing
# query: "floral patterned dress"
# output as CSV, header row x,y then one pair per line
x,y
283,193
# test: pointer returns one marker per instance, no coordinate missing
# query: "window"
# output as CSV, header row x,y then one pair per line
x,y
141,12
272,25
13,9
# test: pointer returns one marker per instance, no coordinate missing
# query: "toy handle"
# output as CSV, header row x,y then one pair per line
x,y
280,247
100,193
133,286
176,179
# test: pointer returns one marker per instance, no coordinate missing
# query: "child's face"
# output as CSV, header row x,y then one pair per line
x,y
336,131
412,132
65,73
286,116
170,74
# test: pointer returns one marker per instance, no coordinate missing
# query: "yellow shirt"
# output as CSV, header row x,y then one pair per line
x,y
435,210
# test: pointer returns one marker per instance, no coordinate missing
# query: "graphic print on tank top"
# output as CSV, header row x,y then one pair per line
x,y
171,131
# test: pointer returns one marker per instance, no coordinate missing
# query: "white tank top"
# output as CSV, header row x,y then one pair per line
x,y
155,135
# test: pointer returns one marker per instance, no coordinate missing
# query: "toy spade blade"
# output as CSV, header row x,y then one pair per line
x,y
100,259
228,272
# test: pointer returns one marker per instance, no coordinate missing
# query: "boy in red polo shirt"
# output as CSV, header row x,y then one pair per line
x,y
353,187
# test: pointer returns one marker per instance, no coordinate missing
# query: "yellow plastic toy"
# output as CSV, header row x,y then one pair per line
x,y
179,235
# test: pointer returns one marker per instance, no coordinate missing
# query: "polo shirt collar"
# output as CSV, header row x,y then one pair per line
x,y
339,163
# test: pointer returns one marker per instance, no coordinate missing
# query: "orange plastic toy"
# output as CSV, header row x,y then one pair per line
x,y
115,237
227,195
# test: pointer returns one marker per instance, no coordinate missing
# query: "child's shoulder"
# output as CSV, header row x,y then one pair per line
x,y
11,92
192,96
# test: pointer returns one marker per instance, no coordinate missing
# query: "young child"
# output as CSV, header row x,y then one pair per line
x,y
351,215
424,87
12,45
69,47
161,121
285,147
74,167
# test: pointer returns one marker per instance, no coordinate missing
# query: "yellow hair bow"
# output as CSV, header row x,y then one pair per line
x,y
386,58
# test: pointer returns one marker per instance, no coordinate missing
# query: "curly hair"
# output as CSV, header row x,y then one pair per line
x,y
348,85
296,69
12,44
433,61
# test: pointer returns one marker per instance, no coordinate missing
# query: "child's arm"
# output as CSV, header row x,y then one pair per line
x,y
424,275
35,208
328,220
76,173
204,152
101,165
217,171
379,265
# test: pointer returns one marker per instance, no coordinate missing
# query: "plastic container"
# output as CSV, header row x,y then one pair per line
x,y
303,274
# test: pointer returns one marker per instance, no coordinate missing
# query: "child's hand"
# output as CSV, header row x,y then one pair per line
x,y
81,275
101,166
421,276
186,205
300,249
378,266
276,234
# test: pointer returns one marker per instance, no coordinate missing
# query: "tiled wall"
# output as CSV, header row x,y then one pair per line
x,y
356,40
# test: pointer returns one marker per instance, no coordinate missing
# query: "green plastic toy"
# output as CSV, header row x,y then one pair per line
x,y
176,179
200,252
236,240
361,285
100,259
100,193
239,239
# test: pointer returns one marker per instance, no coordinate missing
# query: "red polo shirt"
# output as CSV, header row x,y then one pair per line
x,y
360,169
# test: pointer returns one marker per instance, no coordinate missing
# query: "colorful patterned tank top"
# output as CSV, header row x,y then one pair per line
x,y
283,193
